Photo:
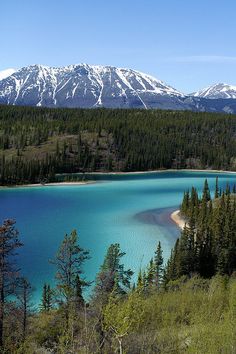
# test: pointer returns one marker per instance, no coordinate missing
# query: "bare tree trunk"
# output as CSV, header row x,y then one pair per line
x,y
86,327
101,335
120,345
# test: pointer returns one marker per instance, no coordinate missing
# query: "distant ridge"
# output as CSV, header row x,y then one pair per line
x,y
91,86
220,90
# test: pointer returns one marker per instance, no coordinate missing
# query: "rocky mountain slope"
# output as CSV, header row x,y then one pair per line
x,y
91,86
86,86
217,91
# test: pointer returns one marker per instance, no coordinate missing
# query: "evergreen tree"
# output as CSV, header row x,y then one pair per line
x,y
24,297
47,298
158,266
208,242
9,243
227,190
117,143
185,203
206,196
79,300
216,188
113,279
150,274
112,274
186,252
69,261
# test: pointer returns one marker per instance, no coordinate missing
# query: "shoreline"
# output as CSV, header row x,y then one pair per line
x,y
157,171
52,184
178,220
113,173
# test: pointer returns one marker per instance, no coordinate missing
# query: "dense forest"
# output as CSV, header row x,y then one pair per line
x,y
185,306
207,245
36,144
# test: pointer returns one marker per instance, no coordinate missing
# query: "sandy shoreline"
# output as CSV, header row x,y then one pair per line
x,y
158,171
53,184
114,173
178,220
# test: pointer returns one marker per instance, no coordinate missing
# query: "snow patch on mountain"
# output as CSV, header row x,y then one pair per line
x,y
217,91
87,86
5,73
91,86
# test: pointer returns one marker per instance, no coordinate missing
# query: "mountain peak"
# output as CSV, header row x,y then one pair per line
x,y
84,85
217,91
89,86
6,73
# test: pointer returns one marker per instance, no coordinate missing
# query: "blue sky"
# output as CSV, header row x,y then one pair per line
x,y
186,43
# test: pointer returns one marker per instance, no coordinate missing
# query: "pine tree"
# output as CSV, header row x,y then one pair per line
x,y
208,242
206,192
227,190
216,188
9,243
158,265
69,261
79,300
172,269
47,298
185,203
186,252
150,274
112,273
113,279
194,204
24,297
234,188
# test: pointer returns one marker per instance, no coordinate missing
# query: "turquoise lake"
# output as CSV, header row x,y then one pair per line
x,y
132,210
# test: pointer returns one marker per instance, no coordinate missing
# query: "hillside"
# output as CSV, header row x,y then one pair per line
x,y
37,143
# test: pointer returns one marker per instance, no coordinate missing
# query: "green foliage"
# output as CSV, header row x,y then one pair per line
x,y
123,317
191,317
9,273
36,144
158,266
47,298
112,276
188,315
69,261
207,244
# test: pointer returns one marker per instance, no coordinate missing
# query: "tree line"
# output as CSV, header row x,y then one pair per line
x,y
207,244
36,144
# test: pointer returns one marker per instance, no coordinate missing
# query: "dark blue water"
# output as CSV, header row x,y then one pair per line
x,y
103,213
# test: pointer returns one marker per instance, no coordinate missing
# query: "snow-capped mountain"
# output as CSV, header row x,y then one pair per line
x,y
220,90
5,73
89,86
86,85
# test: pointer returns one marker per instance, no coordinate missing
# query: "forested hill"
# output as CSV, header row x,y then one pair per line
x,y
37,143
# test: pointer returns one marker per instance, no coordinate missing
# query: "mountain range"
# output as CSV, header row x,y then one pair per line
x,y
90,86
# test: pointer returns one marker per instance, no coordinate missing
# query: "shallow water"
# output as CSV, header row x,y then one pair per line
x,y
128,209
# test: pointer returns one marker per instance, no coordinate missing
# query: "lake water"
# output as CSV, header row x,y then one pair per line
x,y
128,209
